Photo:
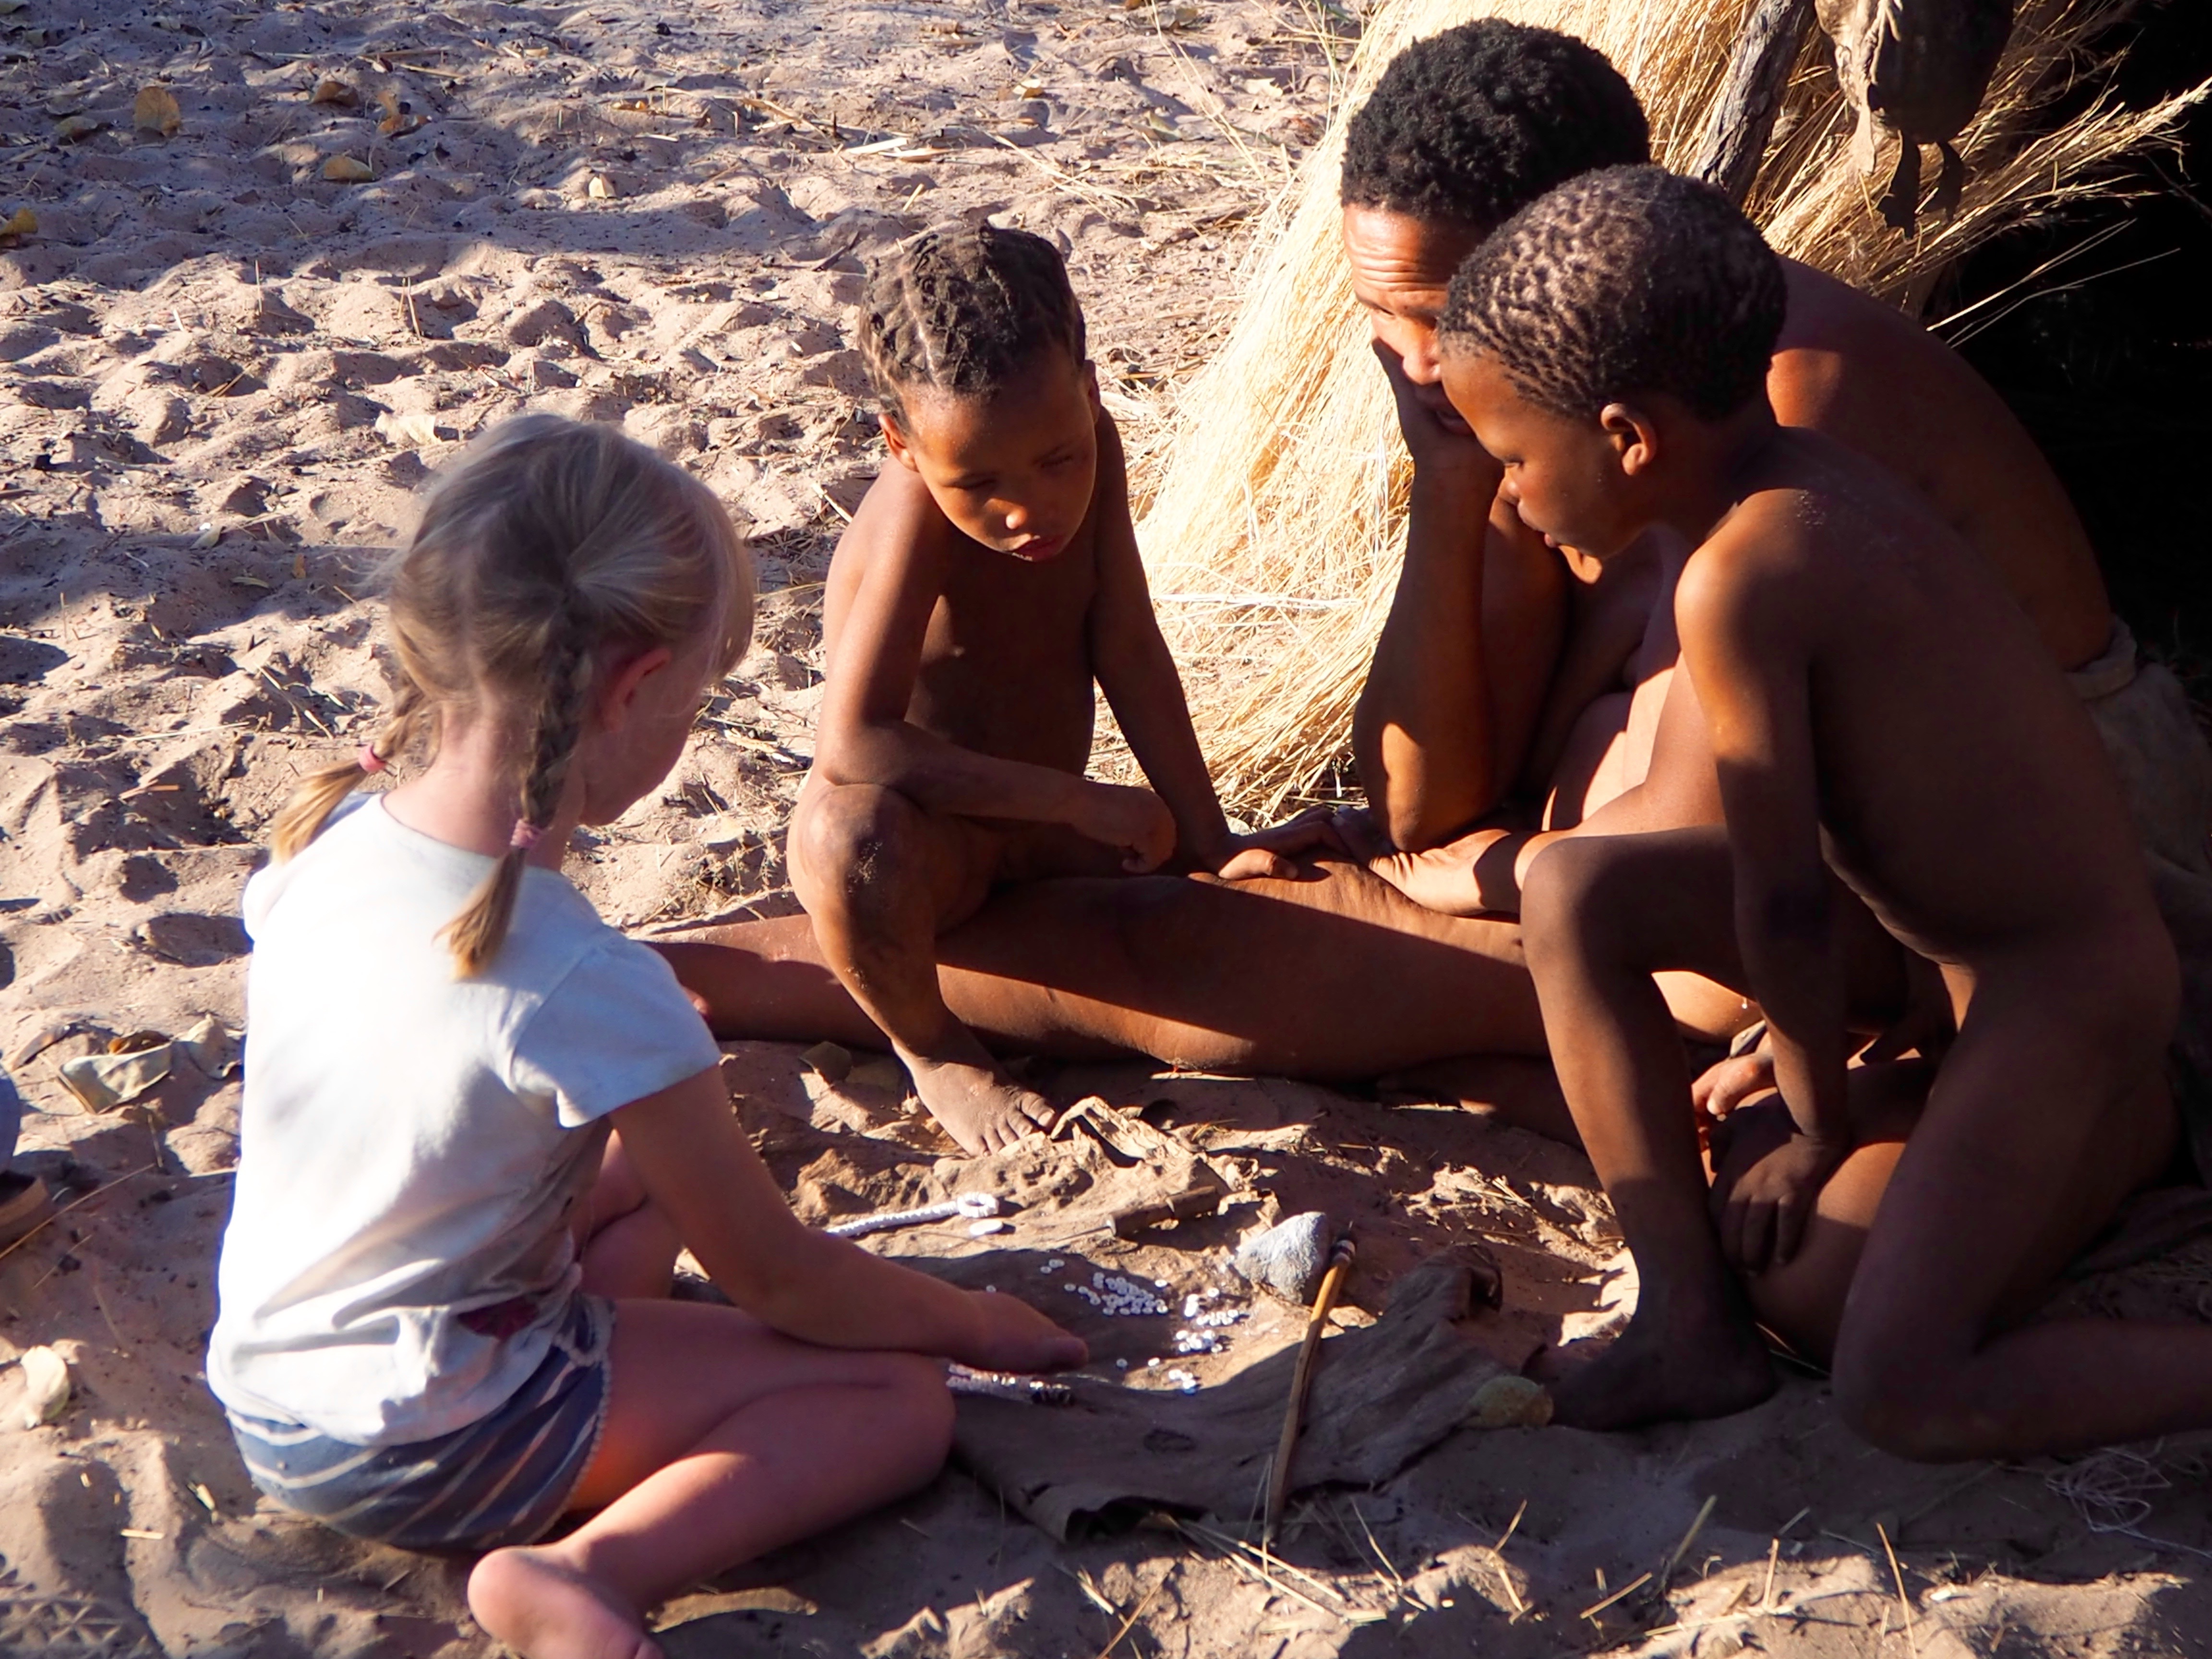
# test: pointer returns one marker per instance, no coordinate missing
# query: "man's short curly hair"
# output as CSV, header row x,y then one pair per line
x,y
1626,281
961,309
1477,121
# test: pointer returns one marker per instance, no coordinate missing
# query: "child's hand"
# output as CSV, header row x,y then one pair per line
x,y
1136,820
1730,1082
1012,1336
1270,852
1762,1211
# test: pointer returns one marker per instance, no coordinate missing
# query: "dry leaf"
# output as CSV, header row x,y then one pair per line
x,y
156,110
46,1386
347,170
334,92
103,1082
600,187
21,223
213,1046
415,431
399,116
76,128
209,536
9,8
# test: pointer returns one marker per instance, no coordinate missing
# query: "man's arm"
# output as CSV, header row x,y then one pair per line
x,y
1480,873
1744,645
1459,682
1137,672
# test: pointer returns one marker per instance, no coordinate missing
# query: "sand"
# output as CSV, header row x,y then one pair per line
x,y
221,375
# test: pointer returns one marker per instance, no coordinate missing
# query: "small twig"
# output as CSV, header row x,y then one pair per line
x,y
1395,1577
1631,1586
1135,1613
1904,1602
1688,1538
73,1205
1773,1555
1511,1526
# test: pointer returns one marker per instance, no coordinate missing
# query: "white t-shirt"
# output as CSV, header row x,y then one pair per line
x,y
412,1146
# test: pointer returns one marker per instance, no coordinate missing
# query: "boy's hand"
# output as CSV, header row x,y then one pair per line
x,y
1012,1336
1270,852
1728,1084
1136,820
1762,1211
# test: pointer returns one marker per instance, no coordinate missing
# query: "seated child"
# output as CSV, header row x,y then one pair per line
x,y
1882,713
478,1120
990,576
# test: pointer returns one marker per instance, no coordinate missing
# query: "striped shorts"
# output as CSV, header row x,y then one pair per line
x,y
503,1479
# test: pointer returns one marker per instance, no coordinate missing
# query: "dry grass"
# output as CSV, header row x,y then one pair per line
x,y
1276,493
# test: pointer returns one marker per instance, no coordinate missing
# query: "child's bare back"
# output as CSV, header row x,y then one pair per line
x,y
1951,759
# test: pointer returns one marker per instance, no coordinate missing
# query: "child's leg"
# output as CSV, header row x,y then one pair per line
x,y
625,1241
1598,916
2050,1108
723,1440
881,877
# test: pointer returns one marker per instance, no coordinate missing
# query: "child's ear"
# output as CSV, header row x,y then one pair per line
x,y
1091,383
1634,436
618,697
896,442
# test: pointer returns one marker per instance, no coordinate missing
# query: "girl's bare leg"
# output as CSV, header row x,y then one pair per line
x,y
723,1440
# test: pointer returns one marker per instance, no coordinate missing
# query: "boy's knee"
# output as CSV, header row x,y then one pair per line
x,y
856,834
1569,887
1908,1404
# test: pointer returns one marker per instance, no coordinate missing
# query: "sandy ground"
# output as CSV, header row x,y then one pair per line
x,y
221,375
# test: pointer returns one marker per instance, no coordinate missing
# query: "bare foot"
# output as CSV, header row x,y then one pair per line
x,y
980,1106
1647,1376
544,1608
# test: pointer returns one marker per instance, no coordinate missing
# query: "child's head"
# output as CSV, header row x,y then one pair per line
x,y
1604,340
559,570
974,342
1462,131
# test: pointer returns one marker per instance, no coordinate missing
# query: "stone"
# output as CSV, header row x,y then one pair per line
x,y
1288,1258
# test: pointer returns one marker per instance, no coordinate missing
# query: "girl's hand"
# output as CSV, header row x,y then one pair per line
x,y
1134,819
1012,1336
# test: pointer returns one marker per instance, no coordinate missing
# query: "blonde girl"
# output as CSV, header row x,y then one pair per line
x,y
478,1120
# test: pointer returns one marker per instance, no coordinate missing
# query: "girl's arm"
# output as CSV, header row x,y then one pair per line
x,y
696,1164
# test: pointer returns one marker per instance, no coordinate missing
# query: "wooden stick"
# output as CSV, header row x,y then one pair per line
x,y
1734,139
1278,1482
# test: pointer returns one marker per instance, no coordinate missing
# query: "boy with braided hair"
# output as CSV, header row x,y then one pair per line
x,y
1881,714
990,576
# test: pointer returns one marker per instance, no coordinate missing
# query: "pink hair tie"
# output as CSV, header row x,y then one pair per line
x,y
368,759
526,836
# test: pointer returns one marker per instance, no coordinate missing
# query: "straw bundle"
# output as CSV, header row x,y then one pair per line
x,y
1277,506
